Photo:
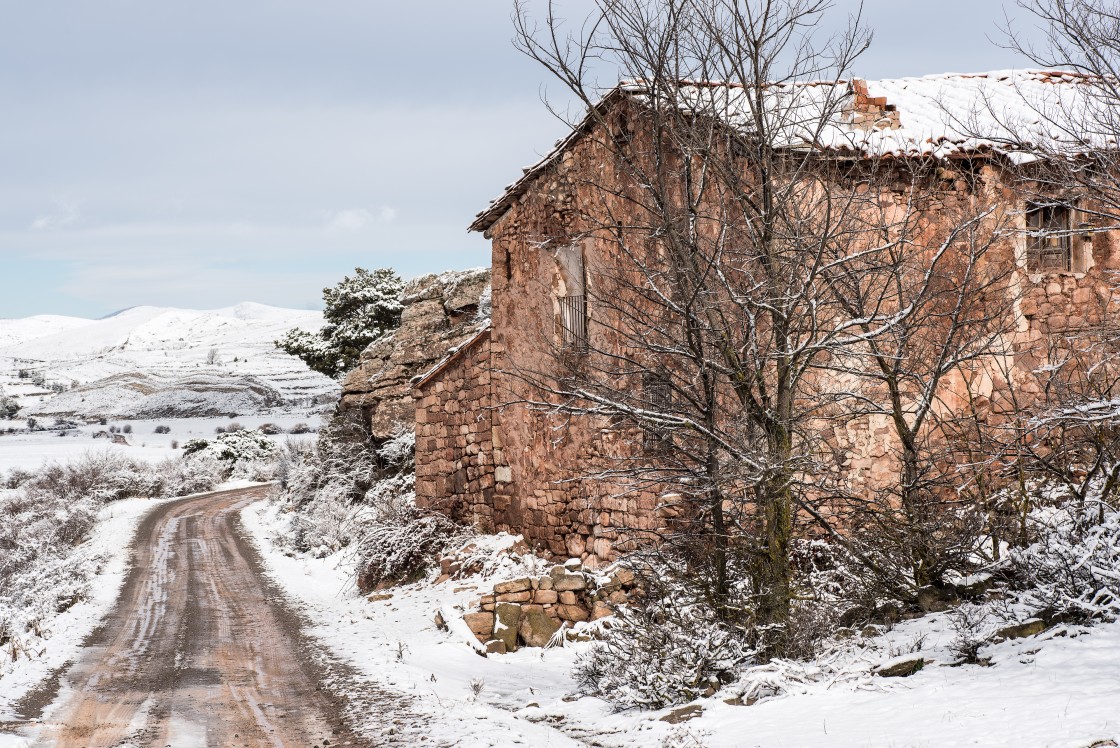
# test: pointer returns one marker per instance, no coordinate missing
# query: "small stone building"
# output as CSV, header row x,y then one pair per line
x,y
486,456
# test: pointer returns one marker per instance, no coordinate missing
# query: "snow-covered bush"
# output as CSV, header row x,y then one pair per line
x,y
8,407
235,446
1072,569
661,655
349,492
44,521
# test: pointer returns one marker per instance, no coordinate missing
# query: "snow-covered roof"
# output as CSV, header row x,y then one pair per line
x,y
940,116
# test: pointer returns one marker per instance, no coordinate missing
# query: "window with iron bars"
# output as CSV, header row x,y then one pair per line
x,y
573,323
657,393
1048,238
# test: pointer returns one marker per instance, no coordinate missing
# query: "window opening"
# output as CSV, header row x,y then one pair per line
x,y
1048,238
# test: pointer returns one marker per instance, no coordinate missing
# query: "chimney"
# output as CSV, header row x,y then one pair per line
x,y
870,112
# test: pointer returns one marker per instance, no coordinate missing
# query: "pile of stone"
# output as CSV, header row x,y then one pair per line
x,y
530,611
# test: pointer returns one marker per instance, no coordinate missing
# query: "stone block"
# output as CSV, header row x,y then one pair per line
x,y
516,585
568,598
537,627
572,613
569,583
545,597
516,597
481,624
507,619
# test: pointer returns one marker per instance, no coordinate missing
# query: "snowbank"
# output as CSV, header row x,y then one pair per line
x,y
1059,689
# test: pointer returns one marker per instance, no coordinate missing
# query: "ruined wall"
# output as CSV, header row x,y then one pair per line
x,y
454,436
440,312
537,476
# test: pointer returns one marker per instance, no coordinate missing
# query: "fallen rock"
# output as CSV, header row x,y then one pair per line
x,y
932,600
684,714
600,610
1022,630
496,646
900,667
537,627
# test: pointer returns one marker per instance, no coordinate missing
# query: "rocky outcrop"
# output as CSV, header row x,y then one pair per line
x,y
440,313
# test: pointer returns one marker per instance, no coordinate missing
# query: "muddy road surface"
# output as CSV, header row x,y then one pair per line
x,y
199,651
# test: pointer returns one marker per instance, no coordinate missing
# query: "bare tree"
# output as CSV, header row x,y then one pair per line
x,y
749,288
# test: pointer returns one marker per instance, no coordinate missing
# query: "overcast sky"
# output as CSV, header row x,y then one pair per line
x,y
202,153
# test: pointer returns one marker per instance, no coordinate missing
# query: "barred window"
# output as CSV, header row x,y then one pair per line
x,y
657,393
1048,238
573,304
573,323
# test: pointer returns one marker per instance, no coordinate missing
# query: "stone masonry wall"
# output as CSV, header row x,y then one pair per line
x,y
440,312
454,442
490,451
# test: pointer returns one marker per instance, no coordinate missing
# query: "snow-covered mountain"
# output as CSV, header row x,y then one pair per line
x,y
231,348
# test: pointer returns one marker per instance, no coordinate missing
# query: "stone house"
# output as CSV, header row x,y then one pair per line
x,y
486,456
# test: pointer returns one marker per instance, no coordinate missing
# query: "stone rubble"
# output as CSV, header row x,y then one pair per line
x,y
530,611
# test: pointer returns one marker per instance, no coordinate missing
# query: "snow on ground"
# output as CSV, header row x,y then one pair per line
x,y
107,548
1060,689
161,341
30,450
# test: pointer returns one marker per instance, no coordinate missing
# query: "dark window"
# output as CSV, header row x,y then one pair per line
x,y
573,322
1048,238
657,394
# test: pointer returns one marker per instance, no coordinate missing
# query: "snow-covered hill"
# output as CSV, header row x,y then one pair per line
x,y
225,346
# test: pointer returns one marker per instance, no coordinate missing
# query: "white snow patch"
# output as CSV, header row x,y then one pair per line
x,y
1056,690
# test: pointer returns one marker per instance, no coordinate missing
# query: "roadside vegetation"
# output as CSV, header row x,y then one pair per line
x,y
46,517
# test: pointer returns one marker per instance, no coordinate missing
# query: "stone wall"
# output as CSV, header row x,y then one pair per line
x,y
491,451
454,435
440,312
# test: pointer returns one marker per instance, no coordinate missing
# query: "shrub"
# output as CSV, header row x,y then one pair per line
x,y
163,430
17,478
174,443
194,445
349,492
1072,569
270,429
300,428
396,541
127,429
219,429
659,656
233,427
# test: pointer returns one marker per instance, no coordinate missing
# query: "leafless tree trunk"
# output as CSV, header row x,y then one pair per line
x,y
755,288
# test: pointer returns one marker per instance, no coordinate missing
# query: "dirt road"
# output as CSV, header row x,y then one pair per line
x,y
198,652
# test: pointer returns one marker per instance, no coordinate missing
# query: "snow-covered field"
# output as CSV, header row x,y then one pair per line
x,y
1060,689
30,450
171,343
